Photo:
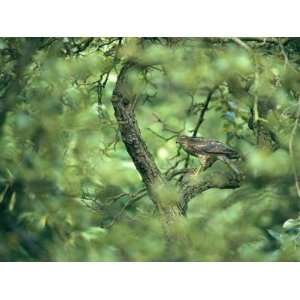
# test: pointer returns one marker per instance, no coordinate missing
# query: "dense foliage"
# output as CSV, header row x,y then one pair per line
x,y
71,191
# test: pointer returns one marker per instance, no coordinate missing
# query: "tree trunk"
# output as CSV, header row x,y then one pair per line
x,y
155,183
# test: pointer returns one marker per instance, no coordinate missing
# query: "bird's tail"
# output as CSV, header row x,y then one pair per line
x,y
229,164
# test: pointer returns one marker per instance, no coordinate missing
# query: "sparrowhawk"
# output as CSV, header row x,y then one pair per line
x,y
208,151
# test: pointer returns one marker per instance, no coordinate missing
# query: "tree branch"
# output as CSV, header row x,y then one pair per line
x,y
130,132
212,178
241,43
203,111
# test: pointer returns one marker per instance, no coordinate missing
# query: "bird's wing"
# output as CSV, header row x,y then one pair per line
x,y
211,146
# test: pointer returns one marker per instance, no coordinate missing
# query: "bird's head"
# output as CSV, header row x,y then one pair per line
x,y
182,139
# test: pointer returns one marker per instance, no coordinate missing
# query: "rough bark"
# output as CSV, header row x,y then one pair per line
x,y
130,132
212,178
137,149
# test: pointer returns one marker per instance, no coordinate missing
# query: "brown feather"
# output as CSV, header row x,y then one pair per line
x,y
202,146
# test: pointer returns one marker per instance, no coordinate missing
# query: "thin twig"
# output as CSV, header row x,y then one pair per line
x,y
139,195
165,126
285,56
180,172
203,111
162,137
241,43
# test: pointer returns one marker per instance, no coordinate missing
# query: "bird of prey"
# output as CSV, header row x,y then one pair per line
x,y
208,151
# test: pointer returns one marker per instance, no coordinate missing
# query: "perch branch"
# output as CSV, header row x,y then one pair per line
x,y
212,178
